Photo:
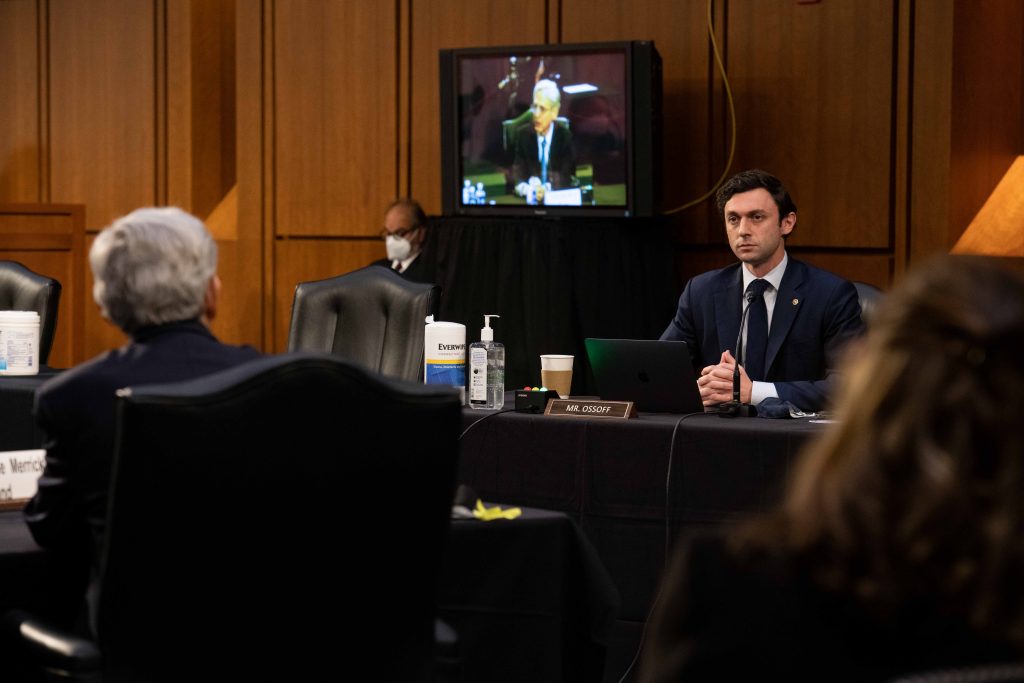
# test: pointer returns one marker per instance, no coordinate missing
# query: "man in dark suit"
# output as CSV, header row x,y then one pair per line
x,y
798,319
544,156
155,278
404,233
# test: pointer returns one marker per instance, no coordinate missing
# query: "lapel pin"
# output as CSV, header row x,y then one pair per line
x,y
796,301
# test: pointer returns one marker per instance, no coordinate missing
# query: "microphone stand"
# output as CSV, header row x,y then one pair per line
x,y
735,407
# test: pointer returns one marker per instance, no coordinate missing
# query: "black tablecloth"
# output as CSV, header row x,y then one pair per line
x,y
528,597
612,475
17,428
43,583
609,475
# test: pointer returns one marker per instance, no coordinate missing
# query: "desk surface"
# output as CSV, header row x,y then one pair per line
x,y
721,468
17,395
634,486
528,597
32,579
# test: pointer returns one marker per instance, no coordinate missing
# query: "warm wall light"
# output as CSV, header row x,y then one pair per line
x,y
998,229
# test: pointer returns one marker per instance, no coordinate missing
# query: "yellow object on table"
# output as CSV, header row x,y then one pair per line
x,y
487,514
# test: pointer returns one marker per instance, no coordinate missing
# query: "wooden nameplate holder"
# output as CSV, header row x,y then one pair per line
x,y
569,407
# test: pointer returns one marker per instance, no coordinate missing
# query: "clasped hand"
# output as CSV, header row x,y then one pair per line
x,y
715,381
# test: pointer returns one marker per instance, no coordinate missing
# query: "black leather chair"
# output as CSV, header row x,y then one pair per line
x,y
373,317
24,290
264,524
869,296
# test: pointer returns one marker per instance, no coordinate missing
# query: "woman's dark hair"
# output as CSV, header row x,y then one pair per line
x,y
918,492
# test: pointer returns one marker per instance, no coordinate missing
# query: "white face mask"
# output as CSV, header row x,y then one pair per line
x,y
398,248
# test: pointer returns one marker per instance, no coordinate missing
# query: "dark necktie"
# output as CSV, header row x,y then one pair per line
x,y
397,266
757,331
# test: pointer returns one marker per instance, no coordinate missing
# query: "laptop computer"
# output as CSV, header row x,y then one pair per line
x,y
656,375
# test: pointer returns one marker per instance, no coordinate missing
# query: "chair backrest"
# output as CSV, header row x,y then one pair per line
x,y
24,290
265,522
869,296
373,317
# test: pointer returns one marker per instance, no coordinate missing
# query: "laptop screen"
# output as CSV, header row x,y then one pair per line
x,y
656,375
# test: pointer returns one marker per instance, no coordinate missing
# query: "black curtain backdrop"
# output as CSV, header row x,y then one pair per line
x,y
554,282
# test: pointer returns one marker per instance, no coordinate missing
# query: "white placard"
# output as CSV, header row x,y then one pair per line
x,y
571,197
19,473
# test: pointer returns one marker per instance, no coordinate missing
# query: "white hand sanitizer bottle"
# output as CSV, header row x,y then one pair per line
x,y
487,370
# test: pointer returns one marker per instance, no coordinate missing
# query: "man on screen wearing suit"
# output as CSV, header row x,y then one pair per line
x,y
544,156
155,278
404,232
799,318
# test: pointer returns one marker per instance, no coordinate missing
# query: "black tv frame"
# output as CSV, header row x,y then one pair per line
x,y
643,80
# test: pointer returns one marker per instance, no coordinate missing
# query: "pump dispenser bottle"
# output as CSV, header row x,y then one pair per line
x,y
487,370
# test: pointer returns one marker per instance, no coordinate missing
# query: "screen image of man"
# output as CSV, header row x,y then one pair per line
x,y
404,233
544,156
155,277
797,318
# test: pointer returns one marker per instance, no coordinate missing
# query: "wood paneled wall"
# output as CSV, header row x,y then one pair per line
x,y
117,104
294,122
49,239
439,24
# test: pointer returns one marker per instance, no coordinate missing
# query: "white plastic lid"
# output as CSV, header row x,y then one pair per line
x,y
19,317
440,324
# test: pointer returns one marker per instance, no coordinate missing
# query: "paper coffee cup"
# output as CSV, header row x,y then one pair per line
x,y
556,373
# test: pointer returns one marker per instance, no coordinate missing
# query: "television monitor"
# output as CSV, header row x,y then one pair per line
x,y
551,130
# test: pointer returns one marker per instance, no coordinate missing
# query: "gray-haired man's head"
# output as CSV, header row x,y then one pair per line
x,y
154,266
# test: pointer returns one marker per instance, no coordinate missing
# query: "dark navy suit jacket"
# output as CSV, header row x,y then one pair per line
x,y
816,314
561,158
76,410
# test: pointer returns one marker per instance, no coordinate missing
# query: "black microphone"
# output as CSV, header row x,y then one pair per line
x,y
735,406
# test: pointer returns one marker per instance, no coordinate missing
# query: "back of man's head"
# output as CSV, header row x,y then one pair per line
x,y
754,179
152,267
413,209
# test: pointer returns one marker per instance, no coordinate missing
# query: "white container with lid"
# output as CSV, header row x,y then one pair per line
x,y
444,354
19,343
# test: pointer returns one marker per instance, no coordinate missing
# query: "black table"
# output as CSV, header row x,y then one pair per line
x,y
611,476
528,597
17,392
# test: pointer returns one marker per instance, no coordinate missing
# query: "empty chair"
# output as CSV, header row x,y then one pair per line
x,y
24,290
264,525
373,317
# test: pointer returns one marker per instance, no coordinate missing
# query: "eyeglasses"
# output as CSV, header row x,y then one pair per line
x,y
400,234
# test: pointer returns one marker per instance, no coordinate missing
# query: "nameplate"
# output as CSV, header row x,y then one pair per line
x,y
19,476
567,407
